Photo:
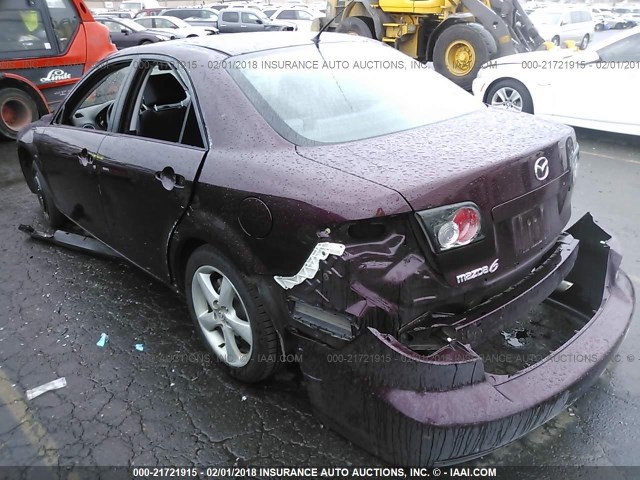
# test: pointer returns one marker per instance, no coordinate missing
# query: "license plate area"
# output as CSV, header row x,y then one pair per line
x,y
528,230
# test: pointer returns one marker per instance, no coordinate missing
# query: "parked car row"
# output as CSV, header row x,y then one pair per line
x,y
152,25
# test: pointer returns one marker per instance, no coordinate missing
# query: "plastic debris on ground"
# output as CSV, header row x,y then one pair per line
x,y
104,338
53,385
140,347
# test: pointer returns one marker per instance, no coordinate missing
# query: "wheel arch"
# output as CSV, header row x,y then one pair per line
x,y
184,245
363,8
10,80
432,37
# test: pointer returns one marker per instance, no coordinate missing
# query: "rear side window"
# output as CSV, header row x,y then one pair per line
x,y
230,17
287,15
145,22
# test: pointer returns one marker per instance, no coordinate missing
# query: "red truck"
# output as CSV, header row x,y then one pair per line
x,y
45,47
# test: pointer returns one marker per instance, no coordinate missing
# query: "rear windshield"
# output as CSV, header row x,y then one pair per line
x,y
342,92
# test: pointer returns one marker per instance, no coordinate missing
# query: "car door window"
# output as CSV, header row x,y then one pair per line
x,y
231,17
625,50
113,27
209,15
164,23
302,15
91,106
65,21
162,108
145,22
287,15
250,18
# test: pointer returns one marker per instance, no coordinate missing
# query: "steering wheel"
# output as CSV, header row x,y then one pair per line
x,y
102,119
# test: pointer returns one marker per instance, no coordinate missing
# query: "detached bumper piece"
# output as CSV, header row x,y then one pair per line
x,y
71,240
445,408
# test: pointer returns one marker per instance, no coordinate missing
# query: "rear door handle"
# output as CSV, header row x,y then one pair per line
x,y
170,179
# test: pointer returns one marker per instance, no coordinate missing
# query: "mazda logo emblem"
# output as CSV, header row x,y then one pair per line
x,y
541,168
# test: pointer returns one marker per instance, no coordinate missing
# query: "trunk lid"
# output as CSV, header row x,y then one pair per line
x,y
486,157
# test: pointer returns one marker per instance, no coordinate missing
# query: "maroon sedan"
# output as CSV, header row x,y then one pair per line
x,y
336,200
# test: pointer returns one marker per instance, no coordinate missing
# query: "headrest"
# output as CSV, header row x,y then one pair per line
x,y
163,89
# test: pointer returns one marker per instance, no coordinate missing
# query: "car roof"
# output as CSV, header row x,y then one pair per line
x,y
232,44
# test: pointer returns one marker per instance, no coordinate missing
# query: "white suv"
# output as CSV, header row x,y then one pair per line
x,y
557,25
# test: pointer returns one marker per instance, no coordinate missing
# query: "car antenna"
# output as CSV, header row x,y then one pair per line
x,y
316,39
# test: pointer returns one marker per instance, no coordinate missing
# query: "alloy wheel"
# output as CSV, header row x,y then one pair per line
x,y
222,316
507,98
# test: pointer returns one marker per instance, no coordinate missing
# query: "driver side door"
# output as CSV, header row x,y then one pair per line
x,y
69,149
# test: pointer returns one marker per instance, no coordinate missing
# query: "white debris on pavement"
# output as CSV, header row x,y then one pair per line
x,y
53,385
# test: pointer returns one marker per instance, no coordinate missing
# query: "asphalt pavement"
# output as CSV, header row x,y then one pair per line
x,y
171,405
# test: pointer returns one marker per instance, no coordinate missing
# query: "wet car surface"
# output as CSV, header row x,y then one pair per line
x,y
119,405
224,305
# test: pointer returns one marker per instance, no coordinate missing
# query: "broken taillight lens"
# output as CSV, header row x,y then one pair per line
x,y
452,226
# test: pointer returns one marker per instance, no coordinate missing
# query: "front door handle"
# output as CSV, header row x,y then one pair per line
x,y
170,179
85,158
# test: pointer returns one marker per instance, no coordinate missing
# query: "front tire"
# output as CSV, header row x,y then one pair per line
x,y
230,316
361,26
510,95
17,110
461,50
556,41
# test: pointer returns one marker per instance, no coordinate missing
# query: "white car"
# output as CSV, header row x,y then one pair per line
x,y
300,16
595,88
175,26
558,25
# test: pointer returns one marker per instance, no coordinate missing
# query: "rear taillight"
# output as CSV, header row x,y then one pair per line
x,y
452,226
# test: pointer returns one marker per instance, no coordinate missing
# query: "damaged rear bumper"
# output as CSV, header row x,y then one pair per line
x,y
445,408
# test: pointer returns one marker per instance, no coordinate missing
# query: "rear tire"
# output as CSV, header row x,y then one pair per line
x,y
52,215
461,50
17,110
230,317
585,42
361,26
510,93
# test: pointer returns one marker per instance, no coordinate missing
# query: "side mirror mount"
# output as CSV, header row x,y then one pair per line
x,y
125,31
259,21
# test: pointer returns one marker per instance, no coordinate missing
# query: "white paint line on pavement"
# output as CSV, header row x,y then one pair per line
x,y
33,430
612,158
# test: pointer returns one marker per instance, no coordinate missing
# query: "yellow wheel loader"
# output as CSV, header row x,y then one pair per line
x,y
458,36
